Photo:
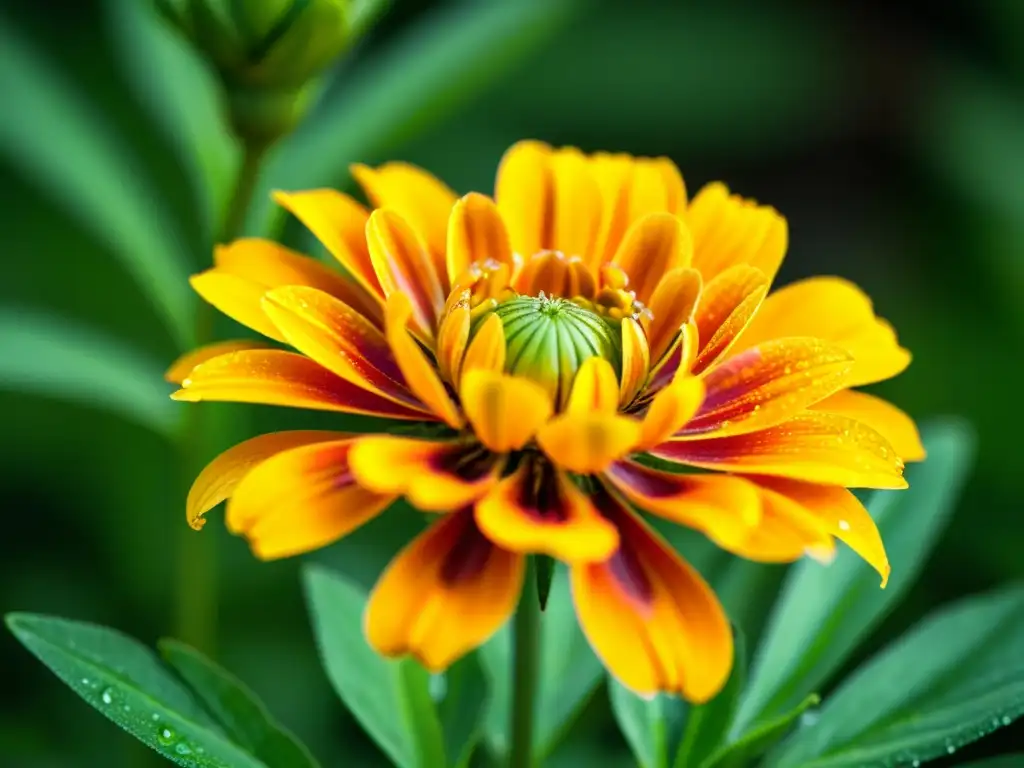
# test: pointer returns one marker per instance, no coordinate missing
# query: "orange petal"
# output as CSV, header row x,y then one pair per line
x,y
836,310
671,306
487,349
670,410
476,232
726,306
182,367
587,443
444,594
505,411
595,388
276,377
433,475
300,500
341,340
841,515
577,205
404,267
539,509
677,361
555,274
650,617
653,246
418,371
724,508
221,476
636,361
885,418
339,222
453,337
816,447
767,385
729,230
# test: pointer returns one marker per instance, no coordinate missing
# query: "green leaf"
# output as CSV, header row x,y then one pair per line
x,y
66,147
739,753
46,355
954,678
651,726
236,709
461,709
545,568
569,673
389,698
413,83
126,682
708,724
824,612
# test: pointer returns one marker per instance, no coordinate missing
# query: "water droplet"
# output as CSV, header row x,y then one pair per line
x,y
1006,720
155,717
85,681
106,696
186,383
165,735
127,708
950,749
916,763
843,525
183,749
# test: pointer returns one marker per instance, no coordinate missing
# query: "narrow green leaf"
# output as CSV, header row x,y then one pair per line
x,y
61,143
236,709
651,726
824,612
126,682
954,678
708,724
389,698
740,753
413,83
461,709
569,673
46,355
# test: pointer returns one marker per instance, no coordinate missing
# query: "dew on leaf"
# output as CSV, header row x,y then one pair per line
x,y
106,696
165,735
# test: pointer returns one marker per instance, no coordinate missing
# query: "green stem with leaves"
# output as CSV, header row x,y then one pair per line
x,y
197,553
525,672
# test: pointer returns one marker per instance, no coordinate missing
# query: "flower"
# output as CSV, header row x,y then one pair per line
x,y
564,346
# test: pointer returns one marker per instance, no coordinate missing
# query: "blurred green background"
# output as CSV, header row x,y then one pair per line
x,y
892,139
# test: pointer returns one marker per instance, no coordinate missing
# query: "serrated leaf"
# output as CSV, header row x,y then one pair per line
x,y
414,82
126,682
46,355
651,726
707,725
389,698
757,741
955,677
461,709
825,611
67,148
570,672
236,709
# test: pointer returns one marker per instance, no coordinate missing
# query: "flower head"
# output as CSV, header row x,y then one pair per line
x,y
588,346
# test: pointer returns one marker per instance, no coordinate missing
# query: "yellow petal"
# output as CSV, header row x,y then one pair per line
x,y
182,367
885,418
670,410
672,305
727,304
636,361
476,232
587,443
505,411
487,349
786,532
653,246
595,388
452,338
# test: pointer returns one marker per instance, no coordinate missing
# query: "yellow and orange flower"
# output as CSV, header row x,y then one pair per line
x,y
562,341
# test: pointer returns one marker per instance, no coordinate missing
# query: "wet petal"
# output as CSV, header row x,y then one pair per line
x,y
587,443
636,361
670,410
340,339
767,385
476,232
672,305
729,230
418,371
539,509
405,267
726,306
816,447
555,274
595,388
836,310
182,367
653,246
505,411
433,475
453,337
444,594
883,417
724,508
487,349
276,377
650,617
300,500
221,476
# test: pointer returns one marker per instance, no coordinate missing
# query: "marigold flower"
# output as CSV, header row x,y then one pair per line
x,y
559,340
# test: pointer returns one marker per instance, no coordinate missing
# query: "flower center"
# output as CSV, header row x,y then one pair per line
x,y
547,339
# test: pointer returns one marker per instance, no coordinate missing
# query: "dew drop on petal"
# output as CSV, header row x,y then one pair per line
x,y
843,525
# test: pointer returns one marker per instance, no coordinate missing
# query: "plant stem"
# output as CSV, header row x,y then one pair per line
x,y
197,600
525,672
